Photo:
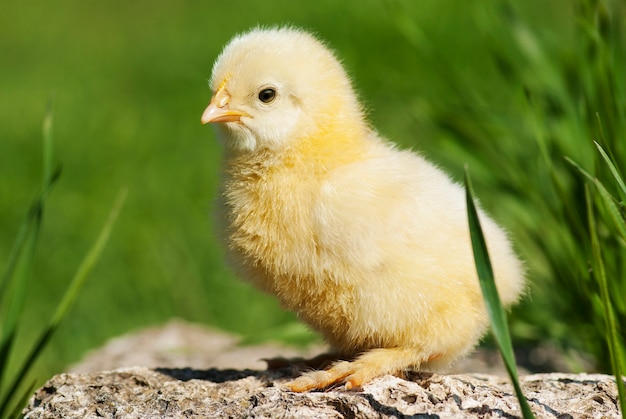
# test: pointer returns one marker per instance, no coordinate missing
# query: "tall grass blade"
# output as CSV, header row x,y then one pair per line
x,y
14,281
18,246
497,316
608,199
68,299
599,273
614,170
580,169
17,286
35,211
613,210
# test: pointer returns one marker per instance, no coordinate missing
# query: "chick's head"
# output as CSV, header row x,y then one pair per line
x,y
272,87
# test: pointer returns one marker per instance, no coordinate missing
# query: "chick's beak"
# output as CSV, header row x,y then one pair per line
x,y
219,110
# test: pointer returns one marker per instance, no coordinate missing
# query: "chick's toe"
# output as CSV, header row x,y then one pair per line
x,y
354,374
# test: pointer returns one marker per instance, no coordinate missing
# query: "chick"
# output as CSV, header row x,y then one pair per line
x,y
367,243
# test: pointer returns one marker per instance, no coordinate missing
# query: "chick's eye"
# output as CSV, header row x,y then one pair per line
x,y
267,95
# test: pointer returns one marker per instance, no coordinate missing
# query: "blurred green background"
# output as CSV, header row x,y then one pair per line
x,y
129,82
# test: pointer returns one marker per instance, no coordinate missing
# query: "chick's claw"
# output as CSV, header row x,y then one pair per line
x,y
319,380
354,374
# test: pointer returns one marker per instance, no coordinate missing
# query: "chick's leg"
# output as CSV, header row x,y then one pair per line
x,y
366,367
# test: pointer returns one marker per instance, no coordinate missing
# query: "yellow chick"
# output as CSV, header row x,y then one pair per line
x,y
367,243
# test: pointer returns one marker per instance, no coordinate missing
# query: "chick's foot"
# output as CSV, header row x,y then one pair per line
x,y
354,374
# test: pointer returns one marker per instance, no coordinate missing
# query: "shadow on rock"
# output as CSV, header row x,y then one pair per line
x,y
216,375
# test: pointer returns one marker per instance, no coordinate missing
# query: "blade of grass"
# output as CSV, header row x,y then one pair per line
x,y
35,210
15,276
497,316
609,200
18,244
68,300
599,273
17,287
614,171
613,210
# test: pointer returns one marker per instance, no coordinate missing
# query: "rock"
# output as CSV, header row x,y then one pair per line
x,y
173,393
195,371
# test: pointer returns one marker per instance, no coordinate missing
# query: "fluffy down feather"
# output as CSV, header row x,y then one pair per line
x,y
367,243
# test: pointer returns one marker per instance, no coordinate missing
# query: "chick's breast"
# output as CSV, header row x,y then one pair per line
x,y
268,222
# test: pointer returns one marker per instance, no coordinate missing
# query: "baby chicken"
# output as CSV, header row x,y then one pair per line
x,y
367,243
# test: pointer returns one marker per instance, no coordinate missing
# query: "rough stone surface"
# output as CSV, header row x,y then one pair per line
x,y
186,393
195,371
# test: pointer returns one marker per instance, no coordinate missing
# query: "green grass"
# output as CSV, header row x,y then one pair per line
x,y
495,311
509,87
16,385
15,284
